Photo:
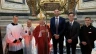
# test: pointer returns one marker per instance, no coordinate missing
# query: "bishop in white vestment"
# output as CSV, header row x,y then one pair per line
x,y
29,40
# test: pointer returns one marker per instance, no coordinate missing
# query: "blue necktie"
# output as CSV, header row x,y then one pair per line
x,y
71,25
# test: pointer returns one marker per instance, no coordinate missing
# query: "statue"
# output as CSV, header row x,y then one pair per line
x,y
71,6
32,6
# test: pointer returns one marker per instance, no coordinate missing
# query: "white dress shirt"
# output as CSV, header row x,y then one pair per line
x,y
71,22
57,23
56,20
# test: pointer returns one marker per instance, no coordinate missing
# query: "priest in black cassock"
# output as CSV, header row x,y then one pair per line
x,y
1,49
87,36
14,33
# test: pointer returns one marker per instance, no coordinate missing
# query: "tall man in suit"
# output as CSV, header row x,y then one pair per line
x,y
87,36
72,32
57,26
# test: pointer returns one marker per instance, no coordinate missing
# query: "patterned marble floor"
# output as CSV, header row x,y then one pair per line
x,y
77,51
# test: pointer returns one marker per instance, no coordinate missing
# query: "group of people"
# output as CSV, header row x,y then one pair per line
x,y
27,40
40,36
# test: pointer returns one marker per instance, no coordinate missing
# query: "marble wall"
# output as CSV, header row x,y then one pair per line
x,y
12,6
88,6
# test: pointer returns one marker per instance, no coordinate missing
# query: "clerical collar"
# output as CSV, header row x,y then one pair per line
x,y
89,25
14,24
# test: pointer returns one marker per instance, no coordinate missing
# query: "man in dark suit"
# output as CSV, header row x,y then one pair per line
x,y
57,26
72,32
1,48
87,36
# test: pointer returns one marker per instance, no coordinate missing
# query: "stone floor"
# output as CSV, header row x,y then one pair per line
x,y
77,51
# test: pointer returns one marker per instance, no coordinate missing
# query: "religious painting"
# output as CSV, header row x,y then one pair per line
x,y
86,4
16,1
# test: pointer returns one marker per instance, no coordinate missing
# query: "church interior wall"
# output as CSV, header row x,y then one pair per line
x,y
86,9
12,7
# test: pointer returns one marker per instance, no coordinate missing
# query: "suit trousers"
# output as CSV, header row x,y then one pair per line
x,y
60,42
85,49
71,46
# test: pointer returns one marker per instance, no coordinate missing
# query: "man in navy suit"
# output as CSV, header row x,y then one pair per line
x,y
57,26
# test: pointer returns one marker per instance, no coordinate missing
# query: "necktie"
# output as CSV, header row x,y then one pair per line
x,y
57,25
71,25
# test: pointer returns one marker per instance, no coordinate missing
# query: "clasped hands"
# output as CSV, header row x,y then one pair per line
x,y
69,40
17,40
56,36
84,43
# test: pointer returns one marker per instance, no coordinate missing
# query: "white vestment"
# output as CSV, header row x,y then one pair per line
x,y
34,47
14,32
29,45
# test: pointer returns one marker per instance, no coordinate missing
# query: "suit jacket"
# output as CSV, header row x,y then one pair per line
x,y
88,34
72,32
61,27
1,49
